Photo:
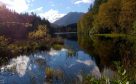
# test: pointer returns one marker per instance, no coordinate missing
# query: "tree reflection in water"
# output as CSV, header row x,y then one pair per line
x,y
107,49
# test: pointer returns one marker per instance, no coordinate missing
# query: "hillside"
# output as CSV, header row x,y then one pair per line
x,y
16,26
70,18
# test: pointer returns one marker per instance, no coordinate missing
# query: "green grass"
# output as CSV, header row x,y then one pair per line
x,y
120,77
111,35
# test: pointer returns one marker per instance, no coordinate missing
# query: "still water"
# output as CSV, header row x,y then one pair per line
x,y
32,69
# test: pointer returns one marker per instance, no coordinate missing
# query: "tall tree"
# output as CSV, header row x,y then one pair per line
x,y
96,5
107,19
85,24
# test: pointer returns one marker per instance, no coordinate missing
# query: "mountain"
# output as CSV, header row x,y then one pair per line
x,y
70,18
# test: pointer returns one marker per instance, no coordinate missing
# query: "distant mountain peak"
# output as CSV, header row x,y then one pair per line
x,y
70,18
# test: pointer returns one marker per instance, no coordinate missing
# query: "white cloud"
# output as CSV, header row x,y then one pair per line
x,y
84,1
52,15
17,5
40,9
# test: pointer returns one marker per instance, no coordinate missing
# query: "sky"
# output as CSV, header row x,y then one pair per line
x,y
49,9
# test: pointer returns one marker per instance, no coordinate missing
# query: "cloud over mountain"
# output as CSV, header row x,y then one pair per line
x,y
52,15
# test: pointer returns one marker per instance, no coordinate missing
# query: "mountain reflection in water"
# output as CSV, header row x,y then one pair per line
x,y
31,69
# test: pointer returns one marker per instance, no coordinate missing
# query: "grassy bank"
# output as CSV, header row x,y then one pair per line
x,y
10,49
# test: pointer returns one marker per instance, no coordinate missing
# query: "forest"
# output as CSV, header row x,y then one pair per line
x,y
109,17
17,26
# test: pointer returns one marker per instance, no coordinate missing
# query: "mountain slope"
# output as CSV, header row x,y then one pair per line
x,y
70,18
17,26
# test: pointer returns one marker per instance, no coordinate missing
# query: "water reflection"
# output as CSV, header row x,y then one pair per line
x,y
108,49
32,69
24,70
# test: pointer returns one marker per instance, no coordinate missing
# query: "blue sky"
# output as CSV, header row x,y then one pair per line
x,y
49,9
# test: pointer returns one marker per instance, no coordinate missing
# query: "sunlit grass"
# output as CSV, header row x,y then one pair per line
x,y
71,53
52,74
49,73
57,46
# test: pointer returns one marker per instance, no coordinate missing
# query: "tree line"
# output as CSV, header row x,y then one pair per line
x,y
17,26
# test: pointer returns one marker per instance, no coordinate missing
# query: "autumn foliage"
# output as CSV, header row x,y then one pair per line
x,y
110,16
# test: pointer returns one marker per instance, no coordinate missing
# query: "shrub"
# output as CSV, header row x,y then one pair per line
x,y
57,46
